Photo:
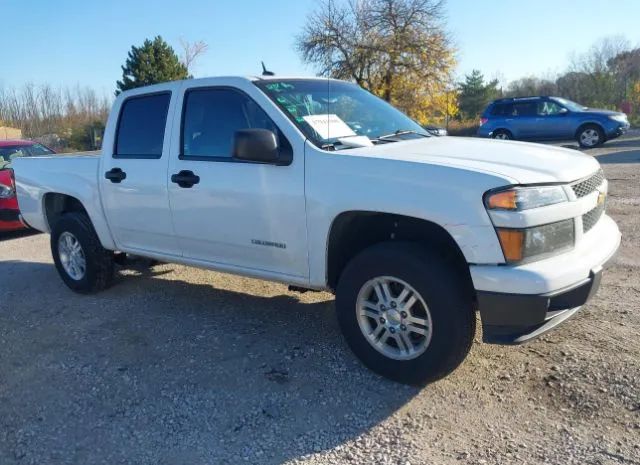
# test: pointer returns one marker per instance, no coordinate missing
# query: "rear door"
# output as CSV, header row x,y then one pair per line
x,y
133,175
525,124
239,215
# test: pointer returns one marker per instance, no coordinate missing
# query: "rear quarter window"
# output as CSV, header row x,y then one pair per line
x,y
141,126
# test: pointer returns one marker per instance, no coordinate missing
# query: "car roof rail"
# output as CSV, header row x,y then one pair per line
x,y
515,99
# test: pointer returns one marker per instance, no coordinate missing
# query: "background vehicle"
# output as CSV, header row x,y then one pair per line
x,y
550,118
435,130
412,232
10,149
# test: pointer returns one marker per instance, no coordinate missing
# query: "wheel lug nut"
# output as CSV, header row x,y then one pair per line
x,y
392,330
383,321
403,314
403,327
394,305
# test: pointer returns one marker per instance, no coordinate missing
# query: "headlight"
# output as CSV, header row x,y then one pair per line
x,y
521,245
6,192
619,118
525,198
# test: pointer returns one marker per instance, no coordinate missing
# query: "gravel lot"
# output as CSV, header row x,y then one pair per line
x,y
175,365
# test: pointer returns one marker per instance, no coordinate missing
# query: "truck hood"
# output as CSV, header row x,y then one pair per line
x,y
520,162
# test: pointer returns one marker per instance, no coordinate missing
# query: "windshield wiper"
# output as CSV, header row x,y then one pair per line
x,y
402,132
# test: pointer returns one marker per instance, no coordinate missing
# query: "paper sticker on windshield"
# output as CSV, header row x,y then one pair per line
x,y
329,126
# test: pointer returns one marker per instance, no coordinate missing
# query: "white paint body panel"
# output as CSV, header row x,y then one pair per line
x,y
212,225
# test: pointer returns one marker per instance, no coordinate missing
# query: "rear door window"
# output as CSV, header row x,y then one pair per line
x,y
141,126
502,109
525,108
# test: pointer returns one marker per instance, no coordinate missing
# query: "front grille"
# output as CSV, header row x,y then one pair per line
x,y
587,186
590,218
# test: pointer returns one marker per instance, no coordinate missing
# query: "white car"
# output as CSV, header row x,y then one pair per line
x,y
318,184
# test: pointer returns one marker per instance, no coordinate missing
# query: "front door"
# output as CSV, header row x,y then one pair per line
x,y
553,121
133,175
236,214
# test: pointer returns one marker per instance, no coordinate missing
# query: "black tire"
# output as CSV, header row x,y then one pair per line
x,y
584,130
99,261
445,293
502,134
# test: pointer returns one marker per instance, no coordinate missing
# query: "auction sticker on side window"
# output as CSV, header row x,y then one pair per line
x,y
329,126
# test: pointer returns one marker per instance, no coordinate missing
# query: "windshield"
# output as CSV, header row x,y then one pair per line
x,y
332,114
569,105
9,152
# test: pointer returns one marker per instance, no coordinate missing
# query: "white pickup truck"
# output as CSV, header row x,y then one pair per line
x,y
318,184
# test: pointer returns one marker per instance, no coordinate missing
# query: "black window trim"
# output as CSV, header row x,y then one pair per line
x,y
115,140
285,145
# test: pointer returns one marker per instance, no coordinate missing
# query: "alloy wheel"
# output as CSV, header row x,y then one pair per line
x,y
394,318
72,256
590,137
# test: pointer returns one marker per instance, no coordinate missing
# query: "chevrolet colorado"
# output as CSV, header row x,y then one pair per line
x,y
321,185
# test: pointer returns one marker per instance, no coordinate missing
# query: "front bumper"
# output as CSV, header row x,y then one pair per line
x,y
542,294
517,318
618,131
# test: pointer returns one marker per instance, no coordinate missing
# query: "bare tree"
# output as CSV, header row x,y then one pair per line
x,y
191,51
379,43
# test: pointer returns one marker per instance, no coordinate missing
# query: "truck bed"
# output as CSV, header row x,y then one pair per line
x,y
73,174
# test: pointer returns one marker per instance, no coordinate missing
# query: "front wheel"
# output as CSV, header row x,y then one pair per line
x,y
590,136
406,312
82,263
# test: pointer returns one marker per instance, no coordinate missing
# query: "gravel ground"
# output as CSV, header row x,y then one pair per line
x,y
175,365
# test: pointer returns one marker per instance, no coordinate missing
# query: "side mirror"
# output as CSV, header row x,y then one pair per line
x,y
563,111
258,145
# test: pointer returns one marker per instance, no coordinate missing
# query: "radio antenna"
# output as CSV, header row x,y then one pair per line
x,y
265,71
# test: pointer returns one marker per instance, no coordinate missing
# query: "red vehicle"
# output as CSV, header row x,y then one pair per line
x,y
10,149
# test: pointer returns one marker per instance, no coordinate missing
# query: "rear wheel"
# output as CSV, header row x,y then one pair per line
x,y
405,312
590,136
502,134
82,263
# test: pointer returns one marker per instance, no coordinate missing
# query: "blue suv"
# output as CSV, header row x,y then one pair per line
x,y
550,118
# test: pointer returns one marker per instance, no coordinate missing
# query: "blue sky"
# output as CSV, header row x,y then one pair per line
x,y
69,42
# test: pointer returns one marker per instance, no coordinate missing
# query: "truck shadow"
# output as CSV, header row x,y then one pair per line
x,y
159,370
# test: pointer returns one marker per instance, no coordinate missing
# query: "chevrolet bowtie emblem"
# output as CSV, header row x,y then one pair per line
x,y
602,196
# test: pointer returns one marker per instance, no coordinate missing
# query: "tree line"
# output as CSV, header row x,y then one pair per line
x,y
71,117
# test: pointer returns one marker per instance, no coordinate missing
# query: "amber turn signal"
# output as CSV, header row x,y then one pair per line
x,y
512,241
505,200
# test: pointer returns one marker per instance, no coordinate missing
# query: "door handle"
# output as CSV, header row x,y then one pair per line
x,y
115,175
185,178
